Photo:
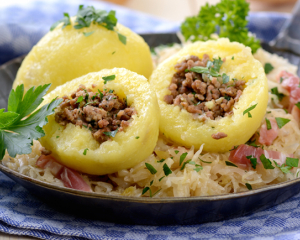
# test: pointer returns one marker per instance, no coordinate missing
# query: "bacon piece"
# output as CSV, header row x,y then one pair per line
x,y
266,137
238,155
70,178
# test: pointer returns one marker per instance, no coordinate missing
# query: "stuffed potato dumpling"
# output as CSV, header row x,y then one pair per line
x,y
213,93
110,123
67,53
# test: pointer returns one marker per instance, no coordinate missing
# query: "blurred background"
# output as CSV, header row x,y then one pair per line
x,y
177,10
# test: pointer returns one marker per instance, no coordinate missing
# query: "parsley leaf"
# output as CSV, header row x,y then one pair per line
x,y
161,160
108,78
281,121
268,67
292,162
225,78
248,110
85,151
253,161
151,169
182,157
248,186
274,91
266,162
283,167
176,151
19,126
230,164
111,133
227,16
79,99
269,126
166,169
66,20
298,105
185,163
88,15
88,33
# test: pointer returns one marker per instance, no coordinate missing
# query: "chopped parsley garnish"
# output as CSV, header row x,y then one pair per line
x,y
88,15
176,151
253,161
292,162
111,133
281,79
137,137
268,67
225,78
66,20
85,151
151,183
182,157
79,99
113,52
266,162
185,163
284,168
57,136
166,169
199,69
161,178
151,168
248,186
248,110
146,189
269,126
100,94
234,147
88,33
198,169
108,78
111,91
274,91
204,161
230,164
227,97
161,160
232,58
298,105
229,17
18,132
281,121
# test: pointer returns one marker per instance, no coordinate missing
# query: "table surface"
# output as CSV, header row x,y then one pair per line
x,y
185,9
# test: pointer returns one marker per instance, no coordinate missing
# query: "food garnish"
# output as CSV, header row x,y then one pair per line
x,y
268,67
228,18
22,123
88,15
281,121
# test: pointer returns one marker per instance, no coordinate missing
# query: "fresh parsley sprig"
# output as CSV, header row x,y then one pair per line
x,y
88,15
227,16
21,124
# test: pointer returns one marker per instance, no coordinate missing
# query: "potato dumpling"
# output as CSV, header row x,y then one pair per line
x,y
64,54
181,127
129,147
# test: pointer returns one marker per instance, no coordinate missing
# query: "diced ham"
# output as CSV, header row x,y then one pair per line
x,y
266,137
238,155
73,179
70,178
291,83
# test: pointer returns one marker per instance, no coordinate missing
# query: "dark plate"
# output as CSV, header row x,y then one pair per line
x,y
153,211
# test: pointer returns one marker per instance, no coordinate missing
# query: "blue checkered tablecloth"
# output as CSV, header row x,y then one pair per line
x,y
21,26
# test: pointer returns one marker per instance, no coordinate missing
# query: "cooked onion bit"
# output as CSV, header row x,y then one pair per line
x,y
188,130
120,151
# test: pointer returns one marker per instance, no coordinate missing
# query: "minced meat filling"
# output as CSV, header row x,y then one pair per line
x,y
200,93
103,113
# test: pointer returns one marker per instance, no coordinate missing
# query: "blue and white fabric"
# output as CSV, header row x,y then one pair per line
x,y
21,26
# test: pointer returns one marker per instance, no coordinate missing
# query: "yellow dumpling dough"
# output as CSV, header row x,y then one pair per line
x,y
127,148
180,126
64,54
